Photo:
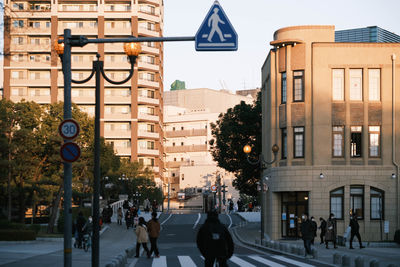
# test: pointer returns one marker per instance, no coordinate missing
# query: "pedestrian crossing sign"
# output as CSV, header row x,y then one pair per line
x,y
216,33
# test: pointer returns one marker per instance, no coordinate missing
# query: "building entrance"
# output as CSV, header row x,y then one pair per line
x,y
294,204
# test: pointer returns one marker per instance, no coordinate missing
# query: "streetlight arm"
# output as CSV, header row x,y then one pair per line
x,y
85,80
132,59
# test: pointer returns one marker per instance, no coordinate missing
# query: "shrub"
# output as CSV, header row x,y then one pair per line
x,y
397,236
60,222
5,224
34,227
17,235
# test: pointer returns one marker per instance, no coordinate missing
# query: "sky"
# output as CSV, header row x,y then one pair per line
x,y
255,21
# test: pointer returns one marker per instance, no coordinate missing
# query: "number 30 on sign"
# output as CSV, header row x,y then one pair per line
x,y
69,129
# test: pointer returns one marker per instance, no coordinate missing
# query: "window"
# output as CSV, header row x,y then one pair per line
x,y
182,143
356,141
298,86
284,143
48,24
374,141
298,142
357,201
338,84
356,84
18,6
18,40
338,141
377,204
336,202
18,23
283,87
374,77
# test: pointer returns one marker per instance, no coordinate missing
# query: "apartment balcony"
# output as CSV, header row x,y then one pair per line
x,y
83,99
143,31
76,15
118,31
78,31
123,151
113,47
30,47
176,164
145,83
185,133
152,152
91,83
149,17
38,31
117,134
84,65
117,64
151,50
30,65
153,67
154,2
148,117
118,116
145,134
117,99
37,99
89,48
147,100
153,168
30,82
182,149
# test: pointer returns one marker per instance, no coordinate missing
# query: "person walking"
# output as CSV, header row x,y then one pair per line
x,y
307,234
146,205
355,231
80,223
128,219
214,241
154,205
331,231
153,227
314,228
142,237
119,216
322,226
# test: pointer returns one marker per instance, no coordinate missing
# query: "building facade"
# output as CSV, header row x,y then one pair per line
x,y
131,113
333,109
372,34
188,115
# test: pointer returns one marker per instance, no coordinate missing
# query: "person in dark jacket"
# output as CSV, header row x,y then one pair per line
x,y
355,231
307,233
80,223
314,228
153,227
331,231
214,241
322,226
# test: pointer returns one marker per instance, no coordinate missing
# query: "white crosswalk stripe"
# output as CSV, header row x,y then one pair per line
x,y
160,262
265,261
186,261
241,262
297,263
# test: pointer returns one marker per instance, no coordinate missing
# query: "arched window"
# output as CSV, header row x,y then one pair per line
x,y
336,202
357,201
377,204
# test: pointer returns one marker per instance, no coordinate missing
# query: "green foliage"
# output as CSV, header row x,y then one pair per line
x,y
239,126
60,222
17,235
5,224
34,227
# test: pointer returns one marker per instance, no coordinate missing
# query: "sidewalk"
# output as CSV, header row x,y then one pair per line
x,y
249,233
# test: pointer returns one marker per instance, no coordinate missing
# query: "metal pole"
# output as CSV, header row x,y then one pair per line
x,y
67,166
262,206
168,195
97,65
219,193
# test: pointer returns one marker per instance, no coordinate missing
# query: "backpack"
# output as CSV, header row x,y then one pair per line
x,y
216,240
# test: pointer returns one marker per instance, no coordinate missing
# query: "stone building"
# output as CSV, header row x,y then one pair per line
x,y
333,109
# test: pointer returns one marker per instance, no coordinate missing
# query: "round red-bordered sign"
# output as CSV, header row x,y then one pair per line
x,y
69,129
214,188
70,152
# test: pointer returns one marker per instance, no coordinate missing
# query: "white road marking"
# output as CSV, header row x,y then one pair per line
x,y
267,262
297,263
202,257
186,261
230,219
241,262
198,219
166,219
160,262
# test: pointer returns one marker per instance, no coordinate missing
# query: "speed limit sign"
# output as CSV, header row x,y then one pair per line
x,y
69,129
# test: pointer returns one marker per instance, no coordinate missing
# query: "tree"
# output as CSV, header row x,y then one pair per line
x,y
239,126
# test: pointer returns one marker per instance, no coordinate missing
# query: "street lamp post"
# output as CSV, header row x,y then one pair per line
x,y
132,50
263,165
137,195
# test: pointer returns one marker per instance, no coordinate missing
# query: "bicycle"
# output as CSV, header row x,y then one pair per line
x,y
87,242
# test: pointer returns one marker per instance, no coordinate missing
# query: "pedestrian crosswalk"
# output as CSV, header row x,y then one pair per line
x,y
236,260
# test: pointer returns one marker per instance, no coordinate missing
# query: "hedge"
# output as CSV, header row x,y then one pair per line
x,y
17,235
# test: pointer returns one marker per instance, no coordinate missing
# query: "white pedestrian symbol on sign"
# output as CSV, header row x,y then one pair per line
x,y
214,20
216,33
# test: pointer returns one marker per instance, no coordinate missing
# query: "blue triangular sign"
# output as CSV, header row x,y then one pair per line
x,y
216,33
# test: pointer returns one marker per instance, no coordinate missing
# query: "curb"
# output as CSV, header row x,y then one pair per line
x,y
276,250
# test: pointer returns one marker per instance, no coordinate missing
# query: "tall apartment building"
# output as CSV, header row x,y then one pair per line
x,y
333,109
187,118
131,113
